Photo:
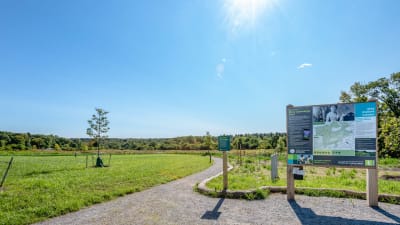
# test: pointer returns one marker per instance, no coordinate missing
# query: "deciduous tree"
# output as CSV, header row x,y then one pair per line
x,y
98,128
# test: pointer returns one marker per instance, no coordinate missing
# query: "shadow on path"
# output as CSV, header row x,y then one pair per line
x,y
308,217
387,214
214,214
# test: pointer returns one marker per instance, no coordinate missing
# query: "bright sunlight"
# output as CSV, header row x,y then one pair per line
x,y
244,14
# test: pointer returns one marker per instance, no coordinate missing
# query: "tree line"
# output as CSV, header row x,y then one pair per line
x,y
27,141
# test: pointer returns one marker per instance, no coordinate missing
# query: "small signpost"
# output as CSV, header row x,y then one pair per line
x,y
224,145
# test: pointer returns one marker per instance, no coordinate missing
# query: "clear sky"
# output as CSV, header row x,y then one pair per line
x,y
184,67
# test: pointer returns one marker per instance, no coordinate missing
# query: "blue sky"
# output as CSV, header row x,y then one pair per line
x,y
175,68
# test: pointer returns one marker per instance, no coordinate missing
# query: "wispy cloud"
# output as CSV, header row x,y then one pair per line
x,y
304,65
220,70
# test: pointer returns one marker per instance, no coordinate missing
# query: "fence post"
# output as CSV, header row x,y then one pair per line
x,y
5,174
274,167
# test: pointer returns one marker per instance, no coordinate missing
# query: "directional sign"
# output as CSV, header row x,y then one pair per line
x,y
224,143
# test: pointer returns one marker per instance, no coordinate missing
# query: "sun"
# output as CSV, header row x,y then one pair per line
x,y
240,14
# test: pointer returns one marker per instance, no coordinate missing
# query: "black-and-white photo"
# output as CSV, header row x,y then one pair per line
x,y
330,113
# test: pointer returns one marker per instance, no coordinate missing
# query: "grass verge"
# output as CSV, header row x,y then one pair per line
x,y
254,172
38,188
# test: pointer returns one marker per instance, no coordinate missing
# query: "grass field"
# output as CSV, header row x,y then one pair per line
x,y
46,186
255,172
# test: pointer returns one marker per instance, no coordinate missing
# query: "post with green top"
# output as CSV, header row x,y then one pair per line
x,y
224,145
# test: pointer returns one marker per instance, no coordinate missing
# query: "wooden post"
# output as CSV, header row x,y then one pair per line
x,y
290,183
289,168
225,169
372,187
240,154
372,174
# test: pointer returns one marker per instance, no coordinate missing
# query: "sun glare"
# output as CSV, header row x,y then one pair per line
x,y
244,14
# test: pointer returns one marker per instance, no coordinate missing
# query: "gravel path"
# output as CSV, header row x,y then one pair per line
x,y
176,203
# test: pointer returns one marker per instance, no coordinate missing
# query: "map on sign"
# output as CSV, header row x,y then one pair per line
x,y
335,138
336,134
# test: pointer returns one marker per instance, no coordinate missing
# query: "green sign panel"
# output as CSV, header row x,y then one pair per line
x,y
224,143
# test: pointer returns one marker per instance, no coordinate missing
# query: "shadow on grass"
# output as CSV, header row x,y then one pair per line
x,y
308,217
214,214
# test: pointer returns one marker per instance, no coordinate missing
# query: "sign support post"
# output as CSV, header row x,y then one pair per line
x,y
290,183
372,173
372,187
225,170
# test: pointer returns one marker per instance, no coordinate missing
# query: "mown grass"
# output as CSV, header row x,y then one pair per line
x,y
41,187
254,172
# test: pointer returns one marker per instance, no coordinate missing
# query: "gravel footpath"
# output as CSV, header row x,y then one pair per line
x,y
177,203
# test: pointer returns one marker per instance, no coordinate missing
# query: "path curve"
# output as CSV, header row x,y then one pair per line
x,y
177,203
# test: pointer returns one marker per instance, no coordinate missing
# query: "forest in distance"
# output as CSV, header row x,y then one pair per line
x,y
25,141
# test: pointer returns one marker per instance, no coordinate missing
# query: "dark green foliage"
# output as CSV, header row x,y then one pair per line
x,y
387,92
21,141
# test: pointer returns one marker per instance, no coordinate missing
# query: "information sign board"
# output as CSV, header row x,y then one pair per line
x,y
337,134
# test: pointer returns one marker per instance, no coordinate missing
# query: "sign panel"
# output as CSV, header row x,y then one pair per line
x,y
224,143
338,134
298,173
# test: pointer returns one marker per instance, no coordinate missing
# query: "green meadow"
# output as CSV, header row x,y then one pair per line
x,y
40,187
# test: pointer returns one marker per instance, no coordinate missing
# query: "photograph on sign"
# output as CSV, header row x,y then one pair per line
x,y
337,134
